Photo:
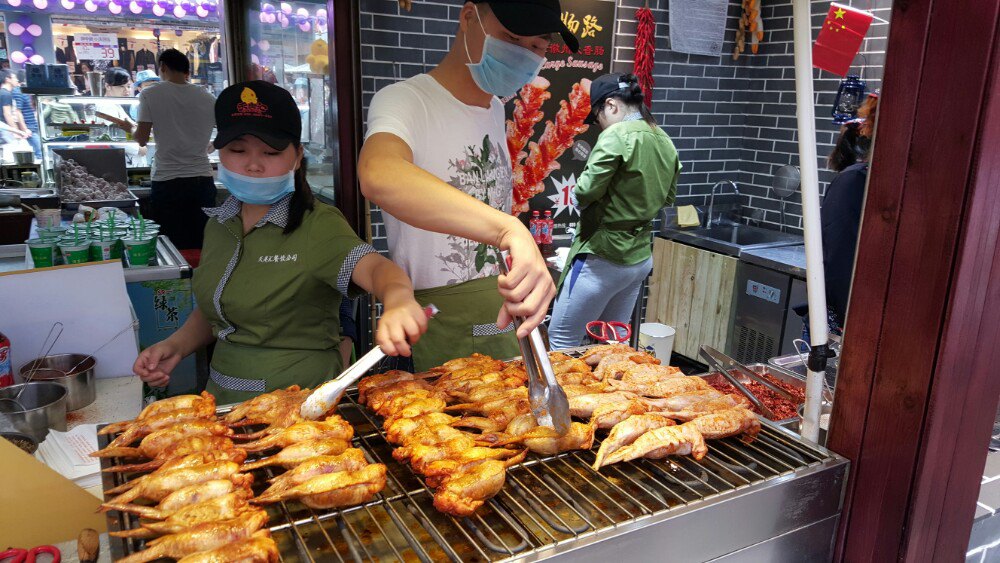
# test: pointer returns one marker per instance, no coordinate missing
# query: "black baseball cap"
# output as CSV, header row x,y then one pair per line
x,y
602,87
529,18
257,108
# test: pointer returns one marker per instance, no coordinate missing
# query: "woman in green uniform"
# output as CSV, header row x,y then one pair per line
x,y
630,175
276,265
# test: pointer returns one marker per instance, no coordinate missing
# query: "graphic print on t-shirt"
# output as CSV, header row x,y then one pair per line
x,y
484,173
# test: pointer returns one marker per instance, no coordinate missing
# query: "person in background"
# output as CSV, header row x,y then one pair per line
x,y
16,129
181,116
435,160
143,79
117,84
841,213
276,265
30,118
630,175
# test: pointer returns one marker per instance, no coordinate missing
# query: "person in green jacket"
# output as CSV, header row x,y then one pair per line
x,y
276,265
630,175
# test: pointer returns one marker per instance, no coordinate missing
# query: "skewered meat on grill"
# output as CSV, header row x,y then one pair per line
x,y
332,427
642,374
332,490
397,431
148,425
727,423
483,363
582,406
259,548
449,456
186,496
417,408
377,397
609,414
546,441
706,406
563,364
461,493
351,460
205,400
225,507
160,440
296,453
190,460
266,408
221,445
397,402
158,486
593,356
660,442
203,537
664,388
392,377
430,436
626,432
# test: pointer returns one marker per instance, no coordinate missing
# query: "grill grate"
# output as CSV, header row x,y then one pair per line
x,y
546,501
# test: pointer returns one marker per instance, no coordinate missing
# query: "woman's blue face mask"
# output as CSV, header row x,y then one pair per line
x,y
504,67
257,191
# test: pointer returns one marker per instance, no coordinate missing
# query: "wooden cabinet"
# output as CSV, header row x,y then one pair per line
x,y
692,290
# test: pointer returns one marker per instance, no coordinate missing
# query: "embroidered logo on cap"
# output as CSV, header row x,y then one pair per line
x,y
249,106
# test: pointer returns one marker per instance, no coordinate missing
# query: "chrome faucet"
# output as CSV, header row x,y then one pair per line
x,y
711,199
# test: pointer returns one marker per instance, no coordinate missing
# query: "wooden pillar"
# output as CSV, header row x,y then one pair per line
x,y
918,386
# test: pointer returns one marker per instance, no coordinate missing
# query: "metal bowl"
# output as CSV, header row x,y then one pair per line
x,y
80,385
45,408
23,441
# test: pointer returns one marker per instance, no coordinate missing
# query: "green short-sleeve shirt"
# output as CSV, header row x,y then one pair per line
x,y
272,298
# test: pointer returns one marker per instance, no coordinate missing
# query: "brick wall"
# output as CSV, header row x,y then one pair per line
x,y
730,120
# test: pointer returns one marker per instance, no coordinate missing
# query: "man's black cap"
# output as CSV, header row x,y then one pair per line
x,y
257,108
602,87
529,18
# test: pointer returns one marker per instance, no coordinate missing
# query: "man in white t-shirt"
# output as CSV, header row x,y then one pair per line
x,y
435,160
182,116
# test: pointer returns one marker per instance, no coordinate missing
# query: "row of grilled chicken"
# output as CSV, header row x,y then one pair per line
x,y
461,425
206,510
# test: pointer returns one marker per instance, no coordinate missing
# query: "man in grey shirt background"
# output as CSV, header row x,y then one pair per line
x,y
181,115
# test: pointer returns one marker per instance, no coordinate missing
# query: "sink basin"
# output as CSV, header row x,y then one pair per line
x,y
731,240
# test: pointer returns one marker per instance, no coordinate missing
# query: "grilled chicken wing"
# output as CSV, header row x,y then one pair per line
x,y
259,548
398,430
583,406
483,363
333,490
268,408
417,408
644,374
546,441
351,460
201,538
186,496
379,396
718,403
433,466
142,428
160,440
224,507
190,460
163,406
158,486
727,423
626,432
399,402
332,427
663,388
593,356
387,379
461,493
609,414
660,442
221,445
297,453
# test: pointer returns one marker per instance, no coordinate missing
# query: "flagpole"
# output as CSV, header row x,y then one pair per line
x,y
815,281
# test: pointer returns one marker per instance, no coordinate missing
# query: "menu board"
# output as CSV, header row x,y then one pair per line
x,y
96,46
548,141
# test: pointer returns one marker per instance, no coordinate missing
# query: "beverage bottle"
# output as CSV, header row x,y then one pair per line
x,y
550,223
533,225
6,370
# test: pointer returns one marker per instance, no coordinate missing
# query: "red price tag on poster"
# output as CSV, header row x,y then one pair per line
x,y
96,46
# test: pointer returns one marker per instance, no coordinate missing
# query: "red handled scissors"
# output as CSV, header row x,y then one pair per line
x,y
18,555
611,332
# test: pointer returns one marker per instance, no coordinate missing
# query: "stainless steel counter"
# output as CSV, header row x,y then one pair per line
x,y
789,260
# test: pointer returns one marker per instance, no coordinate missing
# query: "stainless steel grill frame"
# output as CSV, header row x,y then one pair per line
x,y
777,497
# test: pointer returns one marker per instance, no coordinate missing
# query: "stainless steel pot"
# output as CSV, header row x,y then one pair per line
x,y
80,385
45,408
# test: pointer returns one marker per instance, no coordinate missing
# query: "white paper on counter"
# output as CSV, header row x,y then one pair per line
x,y
68,453
91,302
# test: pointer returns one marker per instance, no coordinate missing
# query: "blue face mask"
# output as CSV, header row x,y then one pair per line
x,y
505,67
257,191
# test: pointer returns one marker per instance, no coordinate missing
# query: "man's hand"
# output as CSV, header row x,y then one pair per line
x,y
528,288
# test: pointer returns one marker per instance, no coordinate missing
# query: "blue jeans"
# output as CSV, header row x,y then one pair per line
x,y
36,144
594,290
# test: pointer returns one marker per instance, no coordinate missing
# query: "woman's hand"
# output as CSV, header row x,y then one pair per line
x,y
400,327
155,363
528,288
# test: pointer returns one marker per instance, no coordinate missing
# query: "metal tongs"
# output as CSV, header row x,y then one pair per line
x,y
723,363
326,396
547,398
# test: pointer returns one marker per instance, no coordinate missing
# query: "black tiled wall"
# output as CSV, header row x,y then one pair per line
x,y
730,120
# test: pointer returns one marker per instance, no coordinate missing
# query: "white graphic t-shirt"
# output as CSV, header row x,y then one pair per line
x,y
465,146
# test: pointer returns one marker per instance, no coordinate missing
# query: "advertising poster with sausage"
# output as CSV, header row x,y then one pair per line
x,y
548,141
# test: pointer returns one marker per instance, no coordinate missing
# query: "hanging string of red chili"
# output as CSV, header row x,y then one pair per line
x,y
645,46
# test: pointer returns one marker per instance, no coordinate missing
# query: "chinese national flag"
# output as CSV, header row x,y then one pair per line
x,y
840,38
